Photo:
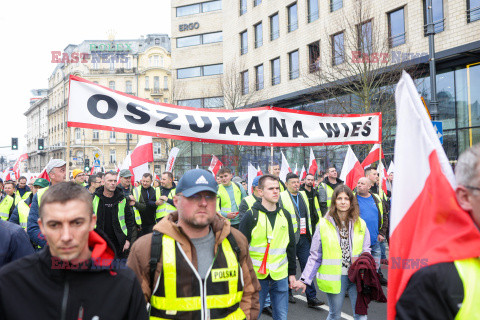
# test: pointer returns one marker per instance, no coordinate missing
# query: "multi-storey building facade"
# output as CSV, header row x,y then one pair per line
x,y
139,67
299,54
37,128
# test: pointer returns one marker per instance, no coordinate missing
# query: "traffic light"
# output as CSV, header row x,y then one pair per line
x,y
87,164
40,144
14,143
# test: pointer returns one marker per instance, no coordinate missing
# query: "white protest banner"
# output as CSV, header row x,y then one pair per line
x,y
95,107
171,159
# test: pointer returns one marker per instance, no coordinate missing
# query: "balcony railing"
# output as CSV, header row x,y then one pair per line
x,y
473,14
156,92
439,26
397,40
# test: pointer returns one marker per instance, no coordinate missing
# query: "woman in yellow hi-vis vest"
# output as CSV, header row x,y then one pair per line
x,y
340,237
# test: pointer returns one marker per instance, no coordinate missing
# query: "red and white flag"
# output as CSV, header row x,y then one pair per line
x,y
427,226
391,168
171,159
44,174
137,161
215,165
252,172
16,166
382,176
284,168
312,164
296,169
259,171
372,157
303,173
352,171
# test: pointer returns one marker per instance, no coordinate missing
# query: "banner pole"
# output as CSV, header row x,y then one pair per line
x,y
271,156
67,155
380,172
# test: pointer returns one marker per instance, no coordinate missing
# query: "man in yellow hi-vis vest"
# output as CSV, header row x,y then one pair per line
x,y
167,191
449,290
269,230
229,195
194,265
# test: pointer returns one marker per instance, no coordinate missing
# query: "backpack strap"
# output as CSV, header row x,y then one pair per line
x,y
234,245
156,252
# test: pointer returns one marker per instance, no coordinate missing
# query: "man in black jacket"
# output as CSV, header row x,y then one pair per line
x,y
114,216
73,277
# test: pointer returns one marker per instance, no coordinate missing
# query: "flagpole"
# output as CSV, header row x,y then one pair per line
x,y
67,155
271,156
380,180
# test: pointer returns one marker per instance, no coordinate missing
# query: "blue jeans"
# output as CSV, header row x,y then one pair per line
x,y
303,252
335,301
376,254
278,290
384,249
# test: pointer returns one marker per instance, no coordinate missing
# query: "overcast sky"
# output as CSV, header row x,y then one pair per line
x,y
30,30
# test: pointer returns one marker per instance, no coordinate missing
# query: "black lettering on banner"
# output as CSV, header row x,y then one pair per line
x,y
356,126
165,122
228,123
346,129
298,129
329,130
254,127
274,125
207,124
366,128
135,109
92,106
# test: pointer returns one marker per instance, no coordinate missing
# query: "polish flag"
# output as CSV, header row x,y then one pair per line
x,y
171,159
296,170
44,174
303,173
137,161
391,168
372,157
284,168
157,177
312,165
259,171
252,172
382,176
426,221
215,165
352,171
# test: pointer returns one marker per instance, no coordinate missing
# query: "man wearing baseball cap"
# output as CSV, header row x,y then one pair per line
x,y
56,170
194,254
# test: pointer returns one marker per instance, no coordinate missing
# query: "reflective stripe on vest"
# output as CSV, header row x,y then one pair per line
x,y
288,205
165,208
469,271
23,211
40,194
250,200
219,294
329,192
120,213
224,206
330,272
380,206
277,262
5,206
25,195
136,194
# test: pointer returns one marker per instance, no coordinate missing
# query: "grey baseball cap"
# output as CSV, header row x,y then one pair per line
x,y
125,173
195,181
55,163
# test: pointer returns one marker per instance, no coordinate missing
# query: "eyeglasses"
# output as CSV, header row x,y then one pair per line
x,y
198,197
473,188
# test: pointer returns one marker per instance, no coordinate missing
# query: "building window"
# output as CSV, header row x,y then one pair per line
x,y
243,42
165,83
259,77
157,41
244,76
293,65
113,136
96,134
338,49
94,64
335,5
256,2
113,156
200,71
155,61
396,28
314,56
312,10
364,37
156,83
147,83
438,17
112,64
275,65
111,85
156,100
199,7
258,35
165,100
274,27
292,17
128,87
78,136
157,148
209,103
129,62
243,7
473,10
196,40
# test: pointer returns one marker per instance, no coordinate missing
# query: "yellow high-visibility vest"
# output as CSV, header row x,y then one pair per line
x,y
120,213
469,271
5,206
23,211
164,209
224,203
287,204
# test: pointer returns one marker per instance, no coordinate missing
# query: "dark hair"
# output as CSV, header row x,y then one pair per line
x,y
261,181
9,182
22,177
148,175
224,170
64,192
331,167
113,173
169,174
100,175
91,179
290,175
274,164
369,169
353,212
